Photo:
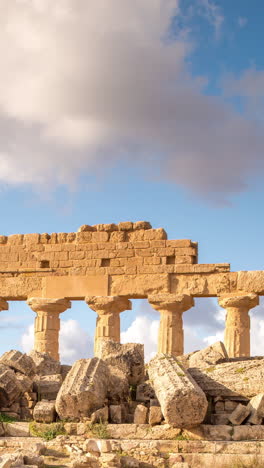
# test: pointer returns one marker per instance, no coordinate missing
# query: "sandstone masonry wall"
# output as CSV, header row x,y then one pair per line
x,y
107,249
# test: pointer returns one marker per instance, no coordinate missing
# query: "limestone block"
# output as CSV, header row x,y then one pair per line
x,y
45,364
64,370
184,403
155,415
239,414
141,225
220,419
129,462
24,381
87,461
230,405
256,407
139,285
128,357
118,386
47,386
44,412
19,362
5,462
251,281
100,415
209,356
229,379
10,389
31,459
145,392
17,429
115,414
248,432
141,415
84,389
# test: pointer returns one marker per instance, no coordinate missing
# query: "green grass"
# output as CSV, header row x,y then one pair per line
x,y
240,370
4,418
210,369
181,436
99,430
47,431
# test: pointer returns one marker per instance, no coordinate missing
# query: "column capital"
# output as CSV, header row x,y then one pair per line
x,y
40,304
171,302
247,301
108,304
3,305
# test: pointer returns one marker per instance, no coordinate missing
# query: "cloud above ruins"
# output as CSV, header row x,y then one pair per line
x,y
75,343
85,88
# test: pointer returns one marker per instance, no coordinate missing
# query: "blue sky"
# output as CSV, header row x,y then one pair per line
x,y
105,121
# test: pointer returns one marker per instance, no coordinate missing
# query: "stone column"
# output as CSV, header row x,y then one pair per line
x,y
171,308
237,329
47,323
108,309
3,305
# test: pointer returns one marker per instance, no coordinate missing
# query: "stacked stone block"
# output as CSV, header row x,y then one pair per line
x,y
125,248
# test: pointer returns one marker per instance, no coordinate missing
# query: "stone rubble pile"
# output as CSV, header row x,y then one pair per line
x,y
204,387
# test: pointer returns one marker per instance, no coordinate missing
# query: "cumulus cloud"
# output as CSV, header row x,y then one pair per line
x,y
75,343
212,12
85,86
143,330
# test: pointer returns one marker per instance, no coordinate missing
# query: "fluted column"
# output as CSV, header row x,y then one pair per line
x,y
108,309
237,325
171,308
47,323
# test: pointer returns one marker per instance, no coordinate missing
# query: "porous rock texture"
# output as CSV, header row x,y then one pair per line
x,y
10,388
44,363
182,402
83,390
256,407
44,412
128,357
19,362
118,387
47,386
237,377
209,356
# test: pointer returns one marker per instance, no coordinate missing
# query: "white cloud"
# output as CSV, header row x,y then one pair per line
x,y
212,12
75,343
84,87
242,21
143,330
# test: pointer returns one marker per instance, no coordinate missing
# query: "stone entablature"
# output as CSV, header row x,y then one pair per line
x,y
117,262
126,248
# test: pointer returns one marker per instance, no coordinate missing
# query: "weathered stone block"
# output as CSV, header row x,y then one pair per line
x,y
44,412
47,386
155,415
128,357
19,362
10,388
239,414
84,389
141,415
115,414
100,415
256,407
209,356
184,403
235,378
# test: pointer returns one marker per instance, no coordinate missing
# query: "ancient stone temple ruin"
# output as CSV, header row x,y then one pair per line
x,y
108,264
179,410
